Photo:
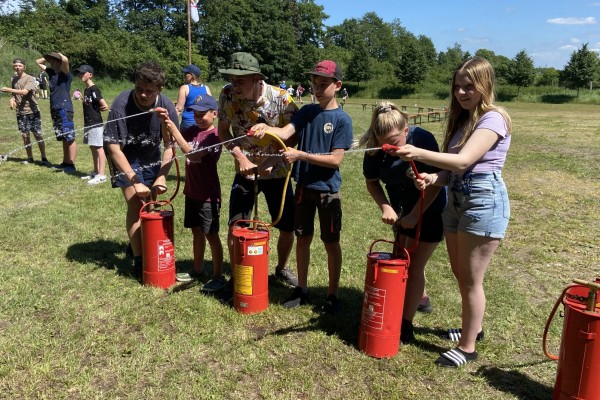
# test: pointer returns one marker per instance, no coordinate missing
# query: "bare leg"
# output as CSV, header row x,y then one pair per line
x,y
334,265
303,259
132,219
27,144
284,248
415,286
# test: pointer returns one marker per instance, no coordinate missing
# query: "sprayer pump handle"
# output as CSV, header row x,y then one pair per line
x,y
591,285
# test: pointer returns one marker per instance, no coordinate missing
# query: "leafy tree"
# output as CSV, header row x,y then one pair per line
x,y
359,68
547,77
522,72
581,68
412,63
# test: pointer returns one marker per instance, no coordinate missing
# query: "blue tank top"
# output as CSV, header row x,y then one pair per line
x,y
187,117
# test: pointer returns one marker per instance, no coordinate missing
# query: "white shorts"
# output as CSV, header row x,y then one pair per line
x,y
94,136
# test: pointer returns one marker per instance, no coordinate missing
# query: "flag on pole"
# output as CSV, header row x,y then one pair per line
x,y
194,10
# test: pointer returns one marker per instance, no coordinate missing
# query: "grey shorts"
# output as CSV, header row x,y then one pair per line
x,y
94,136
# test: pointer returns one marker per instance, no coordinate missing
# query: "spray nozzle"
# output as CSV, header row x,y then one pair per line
x,y
388,147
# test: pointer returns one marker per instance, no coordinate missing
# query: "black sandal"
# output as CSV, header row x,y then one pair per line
x,y
455,358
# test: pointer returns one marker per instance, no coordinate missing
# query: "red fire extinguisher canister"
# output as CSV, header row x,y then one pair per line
x,y
385,287
578,372
158,245
251,267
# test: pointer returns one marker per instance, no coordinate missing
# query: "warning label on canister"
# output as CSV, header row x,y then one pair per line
x,y
255,250
166,254
373,307
243,279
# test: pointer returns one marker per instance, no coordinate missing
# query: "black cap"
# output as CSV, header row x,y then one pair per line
x,y
18,61
84,68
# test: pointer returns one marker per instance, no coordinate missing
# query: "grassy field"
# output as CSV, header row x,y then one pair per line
x,y
73,325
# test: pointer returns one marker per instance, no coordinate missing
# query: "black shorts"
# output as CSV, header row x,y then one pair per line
x,y
63,125
330,213
202,214
30,123
432,229
241,200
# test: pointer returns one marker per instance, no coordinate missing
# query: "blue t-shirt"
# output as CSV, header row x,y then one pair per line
x,y
187,117
320,131
60,90
397,174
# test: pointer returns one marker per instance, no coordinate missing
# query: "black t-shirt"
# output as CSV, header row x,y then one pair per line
x,y
139,135
397,174
91,106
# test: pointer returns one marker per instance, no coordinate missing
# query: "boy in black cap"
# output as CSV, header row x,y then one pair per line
x,y
245,101
24,102
61,107
202,190
93,130
324,132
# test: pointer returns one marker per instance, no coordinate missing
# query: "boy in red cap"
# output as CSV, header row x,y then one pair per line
x,y
324,132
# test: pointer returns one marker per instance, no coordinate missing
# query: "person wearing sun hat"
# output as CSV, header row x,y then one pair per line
x,y
61,106
24,102
188,92
246,100
323,132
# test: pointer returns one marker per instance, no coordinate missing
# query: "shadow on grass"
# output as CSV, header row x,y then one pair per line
x,y
557,98
343,324
104,254
515,383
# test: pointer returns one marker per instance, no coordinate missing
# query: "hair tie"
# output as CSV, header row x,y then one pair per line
x,y
385,109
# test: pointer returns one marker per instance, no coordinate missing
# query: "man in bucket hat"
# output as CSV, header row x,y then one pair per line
x,y
245,101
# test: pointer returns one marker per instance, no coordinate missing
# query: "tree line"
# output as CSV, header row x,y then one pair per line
x,y
287,37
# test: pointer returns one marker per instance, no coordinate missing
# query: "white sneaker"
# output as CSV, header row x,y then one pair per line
x,y
91,175
97,179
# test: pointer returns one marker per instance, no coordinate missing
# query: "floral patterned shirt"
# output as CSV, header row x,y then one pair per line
x,y
274,107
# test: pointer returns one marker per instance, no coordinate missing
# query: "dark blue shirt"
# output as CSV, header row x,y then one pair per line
x,y
60,90
320,131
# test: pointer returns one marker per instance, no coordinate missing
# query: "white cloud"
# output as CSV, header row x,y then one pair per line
x,y
476,40
574,40
461,30
573,21
567,47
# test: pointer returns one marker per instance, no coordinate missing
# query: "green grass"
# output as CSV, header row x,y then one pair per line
x,y
73,325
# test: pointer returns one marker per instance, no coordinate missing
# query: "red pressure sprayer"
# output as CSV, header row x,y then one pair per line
x,y
385,288
250,262
578,372
158,243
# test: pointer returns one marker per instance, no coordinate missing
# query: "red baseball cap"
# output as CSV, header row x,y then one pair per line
x,y
327,68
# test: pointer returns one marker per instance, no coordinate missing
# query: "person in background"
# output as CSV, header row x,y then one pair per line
x,y
43,88
245,101
61,107
299,91
202,190
188,93
133,137
323,132
477,139
401,207
24,102
93,130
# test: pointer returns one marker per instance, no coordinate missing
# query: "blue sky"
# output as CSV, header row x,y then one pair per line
x,y
548,30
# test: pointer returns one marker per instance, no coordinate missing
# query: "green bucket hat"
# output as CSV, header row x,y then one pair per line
x,y
242,64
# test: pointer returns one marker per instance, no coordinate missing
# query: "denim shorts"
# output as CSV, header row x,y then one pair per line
x,y
146,173
477,204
